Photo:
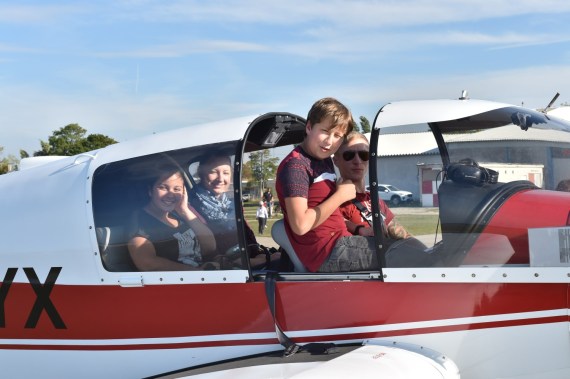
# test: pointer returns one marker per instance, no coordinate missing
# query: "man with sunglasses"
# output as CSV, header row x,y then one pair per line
x,y
351,159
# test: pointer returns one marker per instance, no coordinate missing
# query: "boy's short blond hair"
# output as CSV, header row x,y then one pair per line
x,y
338,112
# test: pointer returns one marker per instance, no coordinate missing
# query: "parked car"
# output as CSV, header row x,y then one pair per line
x,y
393,195
245,196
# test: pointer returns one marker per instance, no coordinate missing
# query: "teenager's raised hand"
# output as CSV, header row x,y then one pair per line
x,y
346,189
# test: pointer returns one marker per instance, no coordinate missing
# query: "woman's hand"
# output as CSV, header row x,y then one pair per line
x,y
182,207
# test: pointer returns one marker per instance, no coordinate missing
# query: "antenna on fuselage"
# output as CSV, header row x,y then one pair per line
x,y
551,102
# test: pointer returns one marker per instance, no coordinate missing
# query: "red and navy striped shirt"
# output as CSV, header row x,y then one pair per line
x,y
300,175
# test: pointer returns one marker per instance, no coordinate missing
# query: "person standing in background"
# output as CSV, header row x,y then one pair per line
x,y
268,198
262,216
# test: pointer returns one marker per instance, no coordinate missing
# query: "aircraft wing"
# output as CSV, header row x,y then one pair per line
x,y
386,360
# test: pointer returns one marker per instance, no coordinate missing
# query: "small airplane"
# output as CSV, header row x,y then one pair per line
x,y
495,305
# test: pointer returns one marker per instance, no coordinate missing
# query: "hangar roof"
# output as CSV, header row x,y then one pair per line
x,y
423,143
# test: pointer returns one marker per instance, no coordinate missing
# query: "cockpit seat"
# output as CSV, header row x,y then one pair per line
x,y
280,236
113,248
489,250
465,210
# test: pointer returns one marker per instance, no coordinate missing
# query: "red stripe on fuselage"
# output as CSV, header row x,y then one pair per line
x,y
167,311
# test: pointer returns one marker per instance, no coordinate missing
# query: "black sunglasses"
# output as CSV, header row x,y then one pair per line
x,y
349,155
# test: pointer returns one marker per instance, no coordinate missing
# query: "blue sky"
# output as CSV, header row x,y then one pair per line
x,y
128,68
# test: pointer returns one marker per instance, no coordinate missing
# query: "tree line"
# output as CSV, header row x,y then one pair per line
x,y
69,140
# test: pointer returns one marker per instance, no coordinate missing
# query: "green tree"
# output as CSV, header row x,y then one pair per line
x,y
97,141
365,125
3,166
8,163
262,166
356,127
246,172
71,140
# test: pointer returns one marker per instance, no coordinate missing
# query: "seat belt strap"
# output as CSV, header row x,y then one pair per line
x,y
290,346
367,215
364,212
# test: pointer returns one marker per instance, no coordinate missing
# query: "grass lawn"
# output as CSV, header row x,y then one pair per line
x,y
415,224
418,224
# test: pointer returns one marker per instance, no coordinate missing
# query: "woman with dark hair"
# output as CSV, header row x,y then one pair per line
x,y
166,234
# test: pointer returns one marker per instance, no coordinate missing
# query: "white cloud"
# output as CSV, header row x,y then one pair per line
x,y
343,30
41,13
181,49
340,13
7,48
342,47
479,38
533,86
356,46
